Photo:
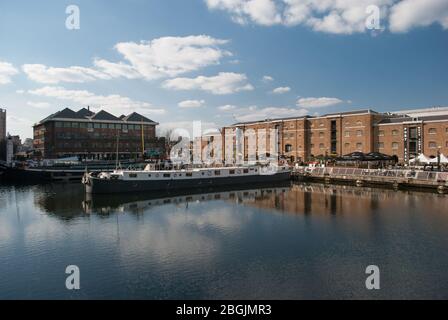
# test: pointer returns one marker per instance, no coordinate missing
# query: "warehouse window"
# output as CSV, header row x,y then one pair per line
x,y
347,145
288,148
321,134
380,145
321,146
359,146
394,145
359,133
347,134
432,145
432,131
381,133
395,132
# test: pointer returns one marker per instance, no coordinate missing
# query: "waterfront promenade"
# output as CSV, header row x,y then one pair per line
x,y
406,178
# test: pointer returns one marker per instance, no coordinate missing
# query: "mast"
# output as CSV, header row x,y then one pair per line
x,y
118,143
143,142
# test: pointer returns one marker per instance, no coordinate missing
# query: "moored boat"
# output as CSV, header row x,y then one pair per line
x,y
69,172
122,181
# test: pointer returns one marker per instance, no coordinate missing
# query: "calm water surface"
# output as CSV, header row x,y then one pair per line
x,y
284,242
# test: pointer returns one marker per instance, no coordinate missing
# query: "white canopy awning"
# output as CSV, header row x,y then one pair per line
x,y
421,159
443,159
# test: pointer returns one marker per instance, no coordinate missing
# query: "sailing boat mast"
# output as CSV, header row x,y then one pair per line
x,y
118,143
143,141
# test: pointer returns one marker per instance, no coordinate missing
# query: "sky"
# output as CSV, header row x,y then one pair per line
x,y
220,61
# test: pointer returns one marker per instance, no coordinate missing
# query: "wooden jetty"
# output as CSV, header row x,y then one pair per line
x,y
437,181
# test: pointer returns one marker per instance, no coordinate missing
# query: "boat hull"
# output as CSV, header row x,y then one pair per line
x,y
104,186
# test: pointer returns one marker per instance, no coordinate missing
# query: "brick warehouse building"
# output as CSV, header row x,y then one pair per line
x,y
90,135
402,134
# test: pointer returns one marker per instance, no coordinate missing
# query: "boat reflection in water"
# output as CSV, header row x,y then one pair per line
x,y
137,203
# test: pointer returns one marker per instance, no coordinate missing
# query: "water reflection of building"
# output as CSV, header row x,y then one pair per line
x,y
297,199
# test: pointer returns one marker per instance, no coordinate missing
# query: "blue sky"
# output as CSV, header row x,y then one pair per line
x,y
220,60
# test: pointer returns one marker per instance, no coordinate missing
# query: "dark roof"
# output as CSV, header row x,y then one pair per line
x,y
104,115
137,118
65,113
85,113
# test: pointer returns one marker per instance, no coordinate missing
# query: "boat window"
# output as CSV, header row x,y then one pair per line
x,y
245,171
149,175
252,169
189,174
132,175
166,175
232,171
203,173
217,173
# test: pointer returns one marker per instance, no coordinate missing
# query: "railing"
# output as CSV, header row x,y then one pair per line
x,y
408,174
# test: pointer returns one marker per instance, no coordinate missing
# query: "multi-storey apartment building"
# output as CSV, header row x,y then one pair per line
x,y
101,135
2,124
304,138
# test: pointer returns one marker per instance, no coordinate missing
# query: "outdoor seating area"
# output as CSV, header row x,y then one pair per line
x,y
371,159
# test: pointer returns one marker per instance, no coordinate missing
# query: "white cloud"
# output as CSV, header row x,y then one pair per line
x,y
191,103
335,16
166,56
159,58
38,105
227,107
254,113
49,75
7,70
185,125
318,102
281,90
223,83
418,13
263,12
267,78
113,103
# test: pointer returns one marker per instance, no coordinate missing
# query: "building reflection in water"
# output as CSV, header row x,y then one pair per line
x,y
69,201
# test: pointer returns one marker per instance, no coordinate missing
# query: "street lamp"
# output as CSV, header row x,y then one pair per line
x,y
438,157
